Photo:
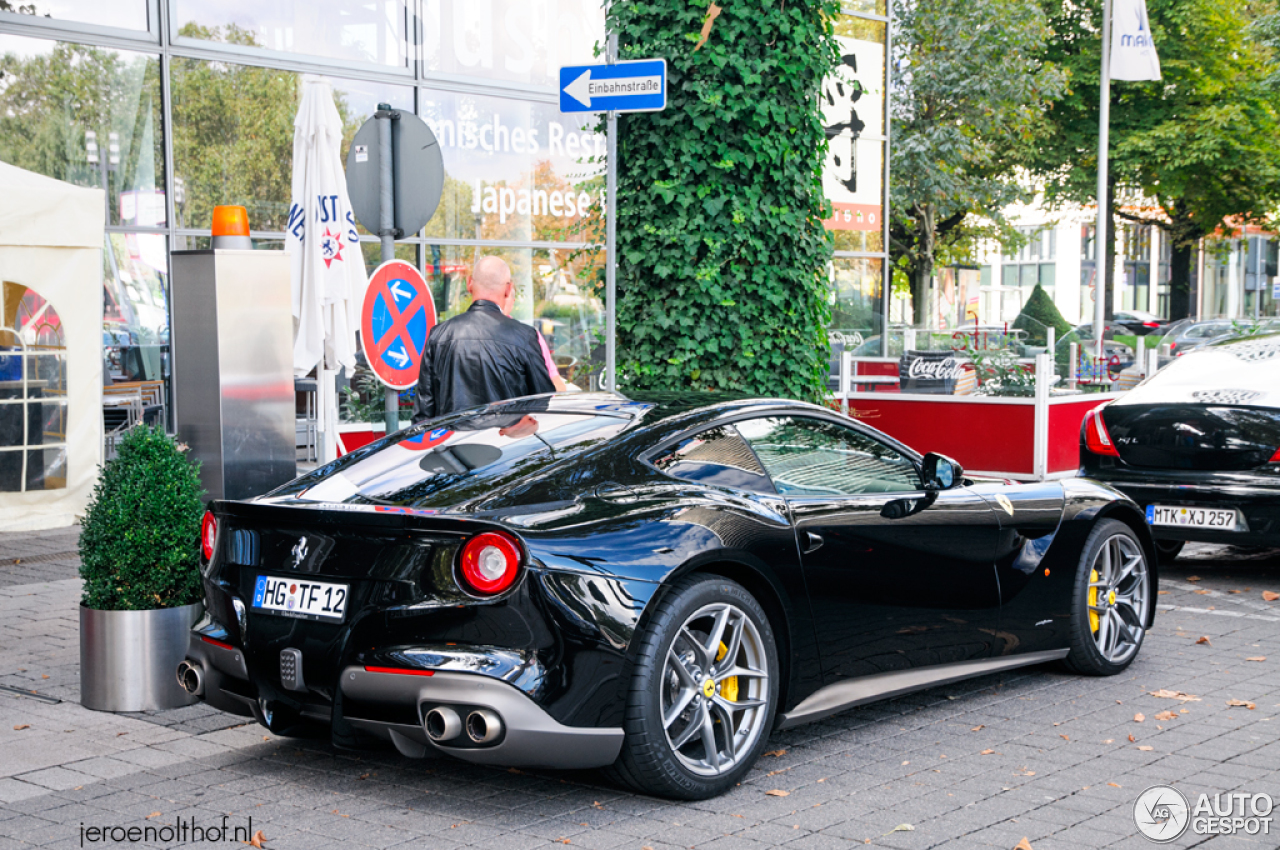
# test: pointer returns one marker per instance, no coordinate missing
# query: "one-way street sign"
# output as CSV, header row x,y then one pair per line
x,y
636,86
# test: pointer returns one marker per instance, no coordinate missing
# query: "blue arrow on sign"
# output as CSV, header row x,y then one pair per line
x,y
636,86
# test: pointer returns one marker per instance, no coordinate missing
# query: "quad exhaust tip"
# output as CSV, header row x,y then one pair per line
x,y
443,724
483,726
191,678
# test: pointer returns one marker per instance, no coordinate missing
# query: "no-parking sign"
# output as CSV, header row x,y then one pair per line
x,y
398,313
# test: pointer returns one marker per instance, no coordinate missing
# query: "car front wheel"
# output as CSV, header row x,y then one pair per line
x,y
703,693
1111,601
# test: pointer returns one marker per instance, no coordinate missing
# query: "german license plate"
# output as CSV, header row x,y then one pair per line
x,y
1193,517
309,600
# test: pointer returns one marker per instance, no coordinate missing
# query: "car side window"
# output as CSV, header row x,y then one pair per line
x,y
814,457
718,456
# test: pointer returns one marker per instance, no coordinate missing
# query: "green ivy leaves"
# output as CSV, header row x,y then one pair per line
x,y
722,278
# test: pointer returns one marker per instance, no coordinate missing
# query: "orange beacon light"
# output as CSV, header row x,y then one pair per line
x,y
231,228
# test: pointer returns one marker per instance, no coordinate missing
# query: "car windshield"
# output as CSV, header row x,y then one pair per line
x,y
1237,372
463,459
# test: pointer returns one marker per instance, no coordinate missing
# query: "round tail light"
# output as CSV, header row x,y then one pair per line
x,y
208,534
490,563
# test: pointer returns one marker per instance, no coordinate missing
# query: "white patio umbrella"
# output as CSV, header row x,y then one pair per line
x,y
328,272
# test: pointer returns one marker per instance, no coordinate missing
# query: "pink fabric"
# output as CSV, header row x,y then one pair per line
x,y
552,371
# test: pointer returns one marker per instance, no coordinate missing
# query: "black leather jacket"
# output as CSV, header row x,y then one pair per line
x,y
476,358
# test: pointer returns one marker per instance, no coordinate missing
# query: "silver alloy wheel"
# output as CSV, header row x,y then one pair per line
x,y
1119,594
713,701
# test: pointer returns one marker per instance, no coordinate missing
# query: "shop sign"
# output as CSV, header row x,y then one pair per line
x,y
853,116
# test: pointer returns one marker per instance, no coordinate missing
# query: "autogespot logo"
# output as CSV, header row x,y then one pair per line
x,y
1161,813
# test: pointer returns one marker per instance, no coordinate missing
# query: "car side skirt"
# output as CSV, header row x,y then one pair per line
x,y
853,692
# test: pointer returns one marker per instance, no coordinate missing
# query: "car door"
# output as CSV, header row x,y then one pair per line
x,y
898,577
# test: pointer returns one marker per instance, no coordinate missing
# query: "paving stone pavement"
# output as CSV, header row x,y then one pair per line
x,y
1034,754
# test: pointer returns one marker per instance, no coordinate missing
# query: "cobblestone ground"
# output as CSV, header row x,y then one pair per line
x,y
1037,754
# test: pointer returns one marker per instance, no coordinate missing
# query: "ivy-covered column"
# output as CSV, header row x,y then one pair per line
x,y
722,256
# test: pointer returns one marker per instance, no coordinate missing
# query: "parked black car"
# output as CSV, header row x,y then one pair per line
x,y
650,584
1140,322
1197,445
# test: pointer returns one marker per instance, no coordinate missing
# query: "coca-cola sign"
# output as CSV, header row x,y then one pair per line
x,y
947,369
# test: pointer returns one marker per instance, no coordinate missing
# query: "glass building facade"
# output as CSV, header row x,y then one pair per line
x,y
175,106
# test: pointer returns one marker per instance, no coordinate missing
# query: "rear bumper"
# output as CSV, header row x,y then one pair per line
x,y
393,706
530,737
1260,507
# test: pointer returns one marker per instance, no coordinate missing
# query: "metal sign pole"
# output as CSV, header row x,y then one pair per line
x,y
386,232
1100,240
611,239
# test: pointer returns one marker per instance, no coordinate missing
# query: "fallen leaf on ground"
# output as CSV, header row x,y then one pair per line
x,y
986,752
1166,715
564,841
778,792
1115,785
1024,772
776,753
1204,639
257,841
905,763
1270,595
1183,711
1132,739
43,676
1239,703
1024,844
1146,749
978,727
1257,658
1203,592
1165,693
1193,578
1162,593
21,726
1064,737
1139,718
1109,741
902,827
152,815
1233,591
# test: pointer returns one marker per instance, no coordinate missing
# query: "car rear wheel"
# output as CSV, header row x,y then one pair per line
x,y
1111,601
703,693
1168,550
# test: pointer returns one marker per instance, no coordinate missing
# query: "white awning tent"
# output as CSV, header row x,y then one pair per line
x,y
51,242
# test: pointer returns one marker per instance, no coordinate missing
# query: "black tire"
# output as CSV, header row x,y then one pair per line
x,y
1168,550
1086,656
648,761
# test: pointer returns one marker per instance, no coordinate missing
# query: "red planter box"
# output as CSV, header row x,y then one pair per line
x,y
988,436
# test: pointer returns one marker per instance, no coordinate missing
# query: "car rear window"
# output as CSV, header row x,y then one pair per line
x,y
466,458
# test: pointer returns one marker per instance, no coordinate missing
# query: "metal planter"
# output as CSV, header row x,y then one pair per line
x,y
128,659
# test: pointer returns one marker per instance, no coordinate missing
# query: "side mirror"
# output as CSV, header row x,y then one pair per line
x,y
939,472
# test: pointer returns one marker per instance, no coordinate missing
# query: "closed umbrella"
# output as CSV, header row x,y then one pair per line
x,y
328,272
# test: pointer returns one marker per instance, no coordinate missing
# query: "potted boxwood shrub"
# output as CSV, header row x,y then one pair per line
x,y
139,559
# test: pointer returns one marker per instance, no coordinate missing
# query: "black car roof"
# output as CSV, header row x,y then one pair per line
x,y
653,406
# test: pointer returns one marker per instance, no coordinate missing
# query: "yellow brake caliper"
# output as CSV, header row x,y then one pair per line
x,y
1093,601
729,687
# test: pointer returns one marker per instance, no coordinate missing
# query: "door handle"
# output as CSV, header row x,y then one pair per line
x,y
814,542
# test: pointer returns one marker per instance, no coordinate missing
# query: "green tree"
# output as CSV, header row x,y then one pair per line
x,y
721,250
1202,142
970,92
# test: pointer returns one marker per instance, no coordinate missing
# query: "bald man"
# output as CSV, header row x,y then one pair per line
x,y
480,356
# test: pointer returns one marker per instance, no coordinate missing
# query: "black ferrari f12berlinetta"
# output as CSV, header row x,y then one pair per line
x,y
648,584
